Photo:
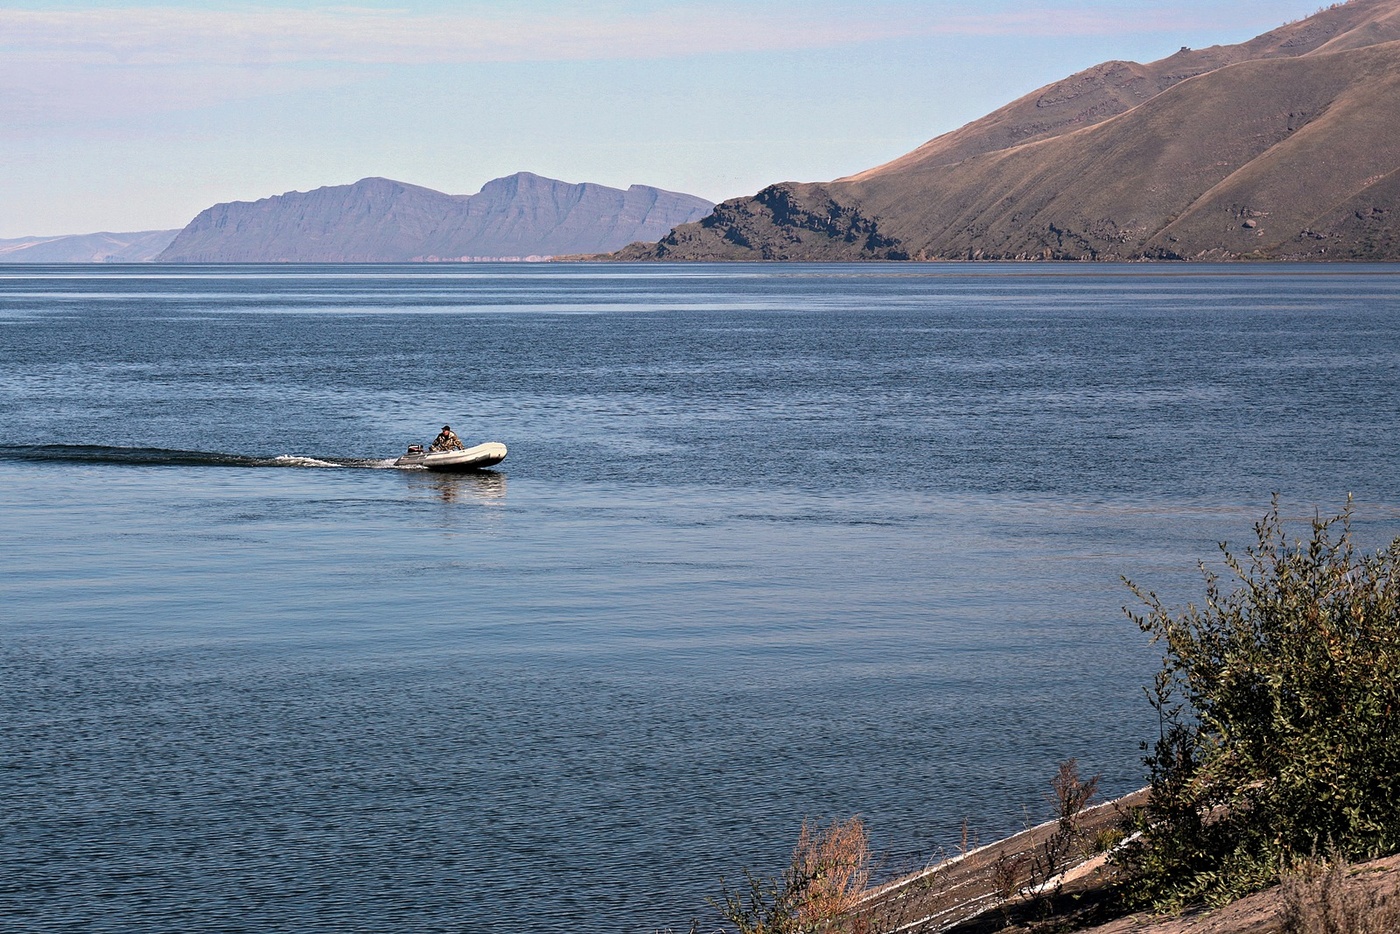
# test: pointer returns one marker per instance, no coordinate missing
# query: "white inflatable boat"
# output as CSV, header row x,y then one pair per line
x,y
483,455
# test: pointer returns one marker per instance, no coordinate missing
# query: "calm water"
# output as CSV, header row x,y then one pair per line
x,y
772,542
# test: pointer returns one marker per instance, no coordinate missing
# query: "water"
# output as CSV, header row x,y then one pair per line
x,y
772,542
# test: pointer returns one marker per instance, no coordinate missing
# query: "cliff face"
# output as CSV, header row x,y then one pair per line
x,y
782,222
1282,147
377,220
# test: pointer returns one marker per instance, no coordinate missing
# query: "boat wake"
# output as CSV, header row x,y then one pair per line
x,y
161,457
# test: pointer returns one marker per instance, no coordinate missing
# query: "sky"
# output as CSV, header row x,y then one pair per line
x,y
137,116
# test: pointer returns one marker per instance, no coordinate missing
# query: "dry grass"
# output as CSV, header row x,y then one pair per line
x,y
832,867
1329,899
825,879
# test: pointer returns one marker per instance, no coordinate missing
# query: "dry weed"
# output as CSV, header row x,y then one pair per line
x,y
832,867
829,871
1329,899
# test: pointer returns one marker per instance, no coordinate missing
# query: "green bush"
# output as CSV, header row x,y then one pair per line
x,y
1280,710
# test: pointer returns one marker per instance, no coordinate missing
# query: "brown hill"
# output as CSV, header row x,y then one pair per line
x,y
1281,147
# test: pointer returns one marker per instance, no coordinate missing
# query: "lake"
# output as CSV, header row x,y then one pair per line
x,y
773,542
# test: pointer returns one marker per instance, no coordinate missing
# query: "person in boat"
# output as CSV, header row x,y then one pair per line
x,y
447,441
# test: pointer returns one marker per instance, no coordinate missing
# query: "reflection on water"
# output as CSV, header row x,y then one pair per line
x,y
482,487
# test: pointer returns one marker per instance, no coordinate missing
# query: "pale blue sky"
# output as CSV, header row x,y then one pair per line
x,y
137,116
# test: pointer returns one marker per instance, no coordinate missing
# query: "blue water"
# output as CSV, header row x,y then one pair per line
x,y
772,542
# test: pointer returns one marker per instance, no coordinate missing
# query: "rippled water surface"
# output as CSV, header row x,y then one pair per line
x,y
772,542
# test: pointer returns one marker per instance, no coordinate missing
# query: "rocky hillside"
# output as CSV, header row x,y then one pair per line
x,y
1283,147
377,220
140,247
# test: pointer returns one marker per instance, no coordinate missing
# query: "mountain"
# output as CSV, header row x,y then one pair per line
x,y
141,247
377,220
1283,147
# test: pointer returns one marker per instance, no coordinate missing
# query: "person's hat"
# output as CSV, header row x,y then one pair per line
x,y
446,427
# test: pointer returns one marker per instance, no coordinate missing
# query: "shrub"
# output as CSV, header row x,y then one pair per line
x,y
1070,795
829,870
1008,873
833,868
1280,709
1106,839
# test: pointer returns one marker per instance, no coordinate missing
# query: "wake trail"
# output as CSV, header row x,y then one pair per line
x,y
165,457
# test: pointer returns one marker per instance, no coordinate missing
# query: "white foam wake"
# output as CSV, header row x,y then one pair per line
x,y
295,460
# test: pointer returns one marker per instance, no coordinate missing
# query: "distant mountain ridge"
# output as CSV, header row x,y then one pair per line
x,y
379,220
140,247
1284,147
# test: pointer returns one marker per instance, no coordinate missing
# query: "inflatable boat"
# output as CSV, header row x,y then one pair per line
x,y
483,455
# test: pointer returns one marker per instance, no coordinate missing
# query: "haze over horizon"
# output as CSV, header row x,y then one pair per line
x,y
137,116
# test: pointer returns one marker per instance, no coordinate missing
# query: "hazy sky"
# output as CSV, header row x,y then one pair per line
x,y
137,116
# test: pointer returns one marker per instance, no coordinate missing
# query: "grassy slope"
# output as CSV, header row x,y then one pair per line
x,y
1276,142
